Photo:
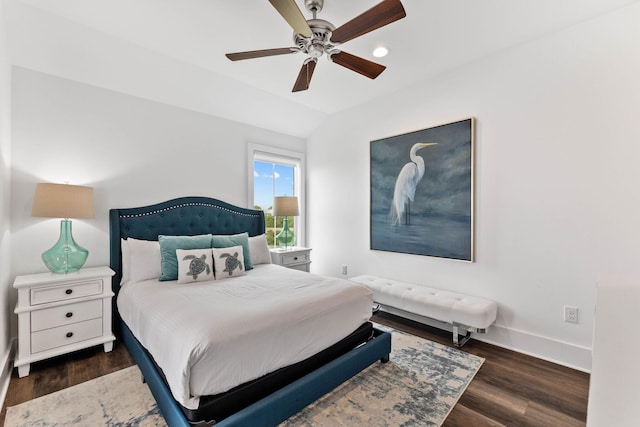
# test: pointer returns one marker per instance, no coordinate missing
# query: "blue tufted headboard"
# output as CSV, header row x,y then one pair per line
x,y
185,216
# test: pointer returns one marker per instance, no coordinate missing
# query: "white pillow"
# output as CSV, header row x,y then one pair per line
x,y
259,250
144,260
229,262
126,261
194,265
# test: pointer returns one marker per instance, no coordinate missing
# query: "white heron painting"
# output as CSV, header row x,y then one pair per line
x,y
422,192
406,183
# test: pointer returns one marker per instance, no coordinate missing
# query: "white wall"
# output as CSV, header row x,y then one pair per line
x,y
556,181
47,42
5,160
132,151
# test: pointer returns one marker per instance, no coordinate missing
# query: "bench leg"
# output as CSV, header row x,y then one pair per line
x,y
457,341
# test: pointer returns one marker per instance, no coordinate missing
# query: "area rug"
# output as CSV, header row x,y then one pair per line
x,y
418,387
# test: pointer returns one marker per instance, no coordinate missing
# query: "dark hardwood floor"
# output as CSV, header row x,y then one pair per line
x,y
511,389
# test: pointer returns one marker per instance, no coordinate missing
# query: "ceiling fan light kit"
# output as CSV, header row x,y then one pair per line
x,y
316,37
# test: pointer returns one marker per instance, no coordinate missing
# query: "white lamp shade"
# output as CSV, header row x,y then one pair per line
x,y
285,206
63,201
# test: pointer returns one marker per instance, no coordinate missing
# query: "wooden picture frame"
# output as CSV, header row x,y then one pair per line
x,y
422,192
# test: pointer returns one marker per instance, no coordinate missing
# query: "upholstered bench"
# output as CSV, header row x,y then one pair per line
x,y
463,312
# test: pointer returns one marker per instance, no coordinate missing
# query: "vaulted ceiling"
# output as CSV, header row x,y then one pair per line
x,y
172,51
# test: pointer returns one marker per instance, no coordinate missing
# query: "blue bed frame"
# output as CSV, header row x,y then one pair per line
x,y
202,215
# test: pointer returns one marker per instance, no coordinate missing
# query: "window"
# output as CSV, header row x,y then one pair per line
x,y
276,172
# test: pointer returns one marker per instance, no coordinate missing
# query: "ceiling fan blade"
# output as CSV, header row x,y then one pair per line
x,y
357,64
238,56
292,14
304,77
378,16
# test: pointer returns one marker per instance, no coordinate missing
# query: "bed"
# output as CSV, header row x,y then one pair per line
x,y
323,356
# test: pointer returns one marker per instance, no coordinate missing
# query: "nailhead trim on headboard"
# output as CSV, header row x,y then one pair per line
x,y
189,204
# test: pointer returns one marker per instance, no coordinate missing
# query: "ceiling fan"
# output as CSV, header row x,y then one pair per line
x,y
316,37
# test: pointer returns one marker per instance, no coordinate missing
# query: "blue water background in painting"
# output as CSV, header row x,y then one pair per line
x,y
433,235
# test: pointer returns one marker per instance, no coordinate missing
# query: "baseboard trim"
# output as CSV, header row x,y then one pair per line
x,y
7,369
559,352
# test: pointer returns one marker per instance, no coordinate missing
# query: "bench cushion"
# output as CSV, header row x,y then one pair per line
x,y
441,305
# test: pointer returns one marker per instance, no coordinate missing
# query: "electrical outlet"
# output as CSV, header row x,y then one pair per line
x,y
570,314
344,269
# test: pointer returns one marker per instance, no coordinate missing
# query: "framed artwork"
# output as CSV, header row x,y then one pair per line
x,y
422,192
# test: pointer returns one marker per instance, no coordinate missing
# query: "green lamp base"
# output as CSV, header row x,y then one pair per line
x,y
285,238
66,256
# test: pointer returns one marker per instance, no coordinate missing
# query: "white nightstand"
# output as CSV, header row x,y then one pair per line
x,y
60,313
296,258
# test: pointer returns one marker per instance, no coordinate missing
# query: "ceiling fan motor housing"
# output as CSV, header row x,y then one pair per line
x,y
319,42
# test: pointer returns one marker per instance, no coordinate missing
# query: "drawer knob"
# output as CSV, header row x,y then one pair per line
x,y
68,291
295,258
69,334
69,314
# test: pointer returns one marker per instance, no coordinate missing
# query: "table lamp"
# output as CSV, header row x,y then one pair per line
x,y
64,201
285,206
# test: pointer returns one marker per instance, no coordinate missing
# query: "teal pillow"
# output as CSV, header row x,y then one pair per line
x,y
168,246
226,241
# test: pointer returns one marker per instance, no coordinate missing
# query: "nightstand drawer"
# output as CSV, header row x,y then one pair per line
x,y
298,258
295,258
65,292
72,313
64,335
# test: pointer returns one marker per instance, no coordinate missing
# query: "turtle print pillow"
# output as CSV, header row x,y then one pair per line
x,y
194,265
168,246
229,262
226,240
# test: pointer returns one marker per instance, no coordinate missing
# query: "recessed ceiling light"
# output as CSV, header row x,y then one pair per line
x,y
381,51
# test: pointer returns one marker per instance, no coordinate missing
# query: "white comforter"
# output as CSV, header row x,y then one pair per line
x,y
209,337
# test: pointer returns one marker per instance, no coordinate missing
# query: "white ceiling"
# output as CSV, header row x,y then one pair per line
x,y
184,42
